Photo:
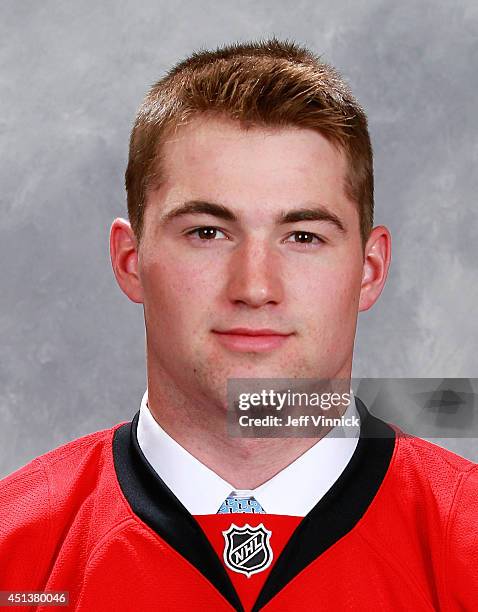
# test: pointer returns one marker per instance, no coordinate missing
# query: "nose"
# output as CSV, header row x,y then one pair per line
x,y
255,275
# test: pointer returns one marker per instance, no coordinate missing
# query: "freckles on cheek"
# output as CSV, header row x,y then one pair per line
x,y
175,276
325,293
194,282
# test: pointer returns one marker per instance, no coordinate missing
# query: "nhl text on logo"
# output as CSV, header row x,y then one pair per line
x,y
247,549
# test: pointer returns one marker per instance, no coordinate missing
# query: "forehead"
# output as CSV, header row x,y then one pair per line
x,y
215,158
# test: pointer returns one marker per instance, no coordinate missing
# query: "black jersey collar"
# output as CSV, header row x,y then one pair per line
x,y
333,517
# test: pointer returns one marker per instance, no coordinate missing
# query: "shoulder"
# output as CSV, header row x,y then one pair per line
x,y
424,465
67,463
452,483
44,500
435,483
429,456
425,516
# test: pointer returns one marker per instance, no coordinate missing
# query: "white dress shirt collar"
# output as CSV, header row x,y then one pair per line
x,y
294,491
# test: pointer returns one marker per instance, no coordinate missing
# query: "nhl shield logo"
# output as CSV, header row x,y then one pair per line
x,y
247,549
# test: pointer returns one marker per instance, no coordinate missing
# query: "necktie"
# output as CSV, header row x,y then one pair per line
x,y
240,504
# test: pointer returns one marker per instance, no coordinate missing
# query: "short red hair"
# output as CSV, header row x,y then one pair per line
x,y
265,83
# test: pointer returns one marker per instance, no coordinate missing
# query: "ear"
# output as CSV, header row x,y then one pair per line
x,y
124,259
377,257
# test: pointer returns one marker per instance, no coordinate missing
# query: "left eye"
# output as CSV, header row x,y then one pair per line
x,y
206,233
304,238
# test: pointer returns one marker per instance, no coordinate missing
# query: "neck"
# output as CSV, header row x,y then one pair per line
x,y
199,426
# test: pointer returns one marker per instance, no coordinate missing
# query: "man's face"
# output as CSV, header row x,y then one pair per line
x,y
253,266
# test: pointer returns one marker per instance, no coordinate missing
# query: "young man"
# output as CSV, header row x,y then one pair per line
x,y
251,247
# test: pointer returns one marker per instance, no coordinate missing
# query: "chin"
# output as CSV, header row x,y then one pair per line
x,y
261,371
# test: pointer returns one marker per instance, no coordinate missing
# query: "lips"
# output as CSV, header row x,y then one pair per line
x,y
245,331
242,339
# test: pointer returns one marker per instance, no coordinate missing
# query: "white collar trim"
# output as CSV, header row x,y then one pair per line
x,y
294,491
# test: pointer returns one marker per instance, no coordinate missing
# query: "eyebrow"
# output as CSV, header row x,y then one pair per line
x,y
197,207
315,213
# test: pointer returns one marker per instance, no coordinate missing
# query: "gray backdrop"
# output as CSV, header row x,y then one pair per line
x,y
72,76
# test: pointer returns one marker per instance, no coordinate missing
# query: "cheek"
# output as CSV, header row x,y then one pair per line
x,y
179,289
326,294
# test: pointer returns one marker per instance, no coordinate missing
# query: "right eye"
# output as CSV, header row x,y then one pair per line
x,y
206,232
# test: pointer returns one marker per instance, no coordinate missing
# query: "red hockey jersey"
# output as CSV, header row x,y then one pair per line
x,y
397,531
